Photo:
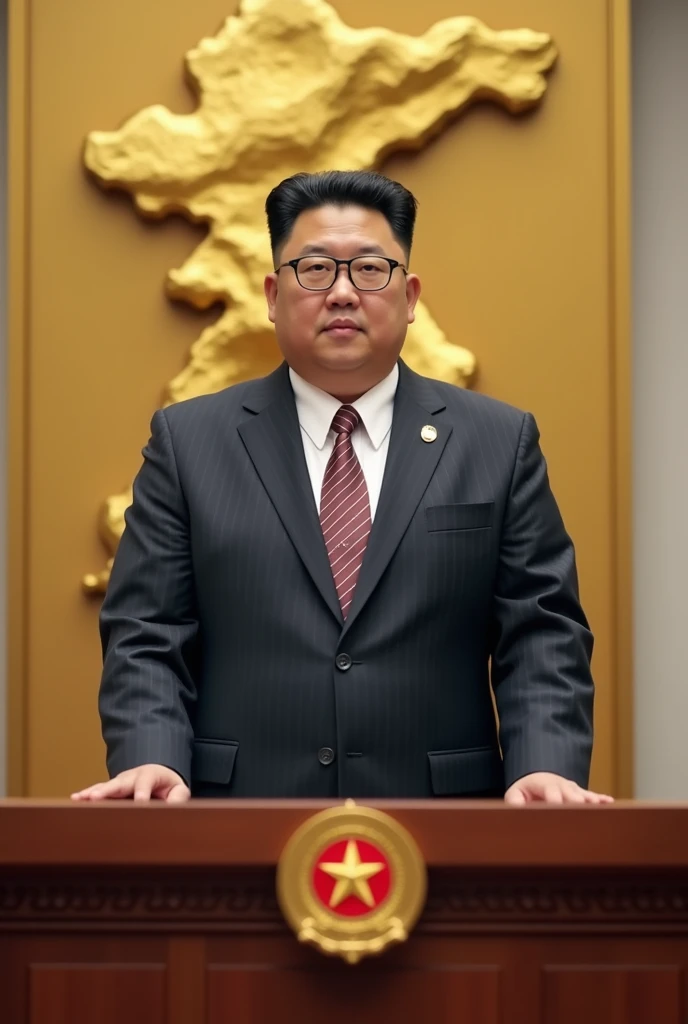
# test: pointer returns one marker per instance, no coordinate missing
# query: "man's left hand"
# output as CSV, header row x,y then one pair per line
x,y
545,787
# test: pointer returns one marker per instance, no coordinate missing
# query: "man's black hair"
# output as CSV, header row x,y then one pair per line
x,y
369,189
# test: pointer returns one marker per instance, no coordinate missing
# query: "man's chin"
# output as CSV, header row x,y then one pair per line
x,y
343,355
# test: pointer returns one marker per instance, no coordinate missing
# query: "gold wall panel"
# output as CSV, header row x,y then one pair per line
x,y
520,244
284,87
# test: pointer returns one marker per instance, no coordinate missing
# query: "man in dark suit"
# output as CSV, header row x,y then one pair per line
x,y
323,570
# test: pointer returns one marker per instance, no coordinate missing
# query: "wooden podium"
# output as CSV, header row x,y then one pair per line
x,y
128,914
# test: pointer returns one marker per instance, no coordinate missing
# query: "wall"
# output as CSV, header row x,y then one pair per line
x,y
660,208
660,399
515,245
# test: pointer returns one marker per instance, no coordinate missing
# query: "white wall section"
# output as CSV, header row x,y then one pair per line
x,y
660,396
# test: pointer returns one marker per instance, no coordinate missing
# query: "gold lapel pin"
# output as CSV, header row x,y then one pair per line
x,y
428,433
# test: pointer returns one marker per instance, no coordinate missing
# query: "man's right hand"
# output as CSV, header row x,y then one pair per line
x,y
147,782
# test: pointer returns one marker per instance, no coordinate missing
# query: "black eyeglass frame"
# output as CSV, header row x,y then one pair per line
x,y
393,264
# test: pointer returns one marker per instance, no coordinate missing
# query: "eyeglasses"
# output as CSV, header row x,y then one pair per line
x,y
366,273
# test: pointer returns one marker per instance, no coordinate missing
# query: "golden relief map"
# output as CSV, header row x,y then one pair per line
x,y
286,86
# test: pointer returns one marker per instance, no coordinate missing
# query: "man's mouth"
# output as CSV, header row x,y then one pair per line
x,y
341,328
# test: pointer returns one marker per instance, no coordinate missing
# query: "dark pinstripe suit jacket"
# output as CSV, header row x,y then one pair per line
x,y
226,657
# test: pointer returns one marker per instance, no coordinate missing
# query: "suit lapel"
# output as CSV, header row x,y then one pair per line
x,y
272,438
410,465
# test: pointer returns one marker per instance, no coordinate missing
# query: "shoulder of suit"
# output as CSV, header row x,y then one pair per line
x,y
464,401
218,403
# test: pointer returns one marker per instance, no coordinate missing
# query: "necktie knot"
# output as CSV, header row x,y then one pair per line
x,y
345,420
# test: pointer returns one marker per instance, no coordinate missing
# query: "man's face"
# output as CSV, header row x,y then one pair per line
x,y
341,340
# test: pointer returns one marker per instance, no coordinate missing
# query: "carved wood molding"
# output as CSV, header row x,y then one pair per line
x,y
561,899
239,900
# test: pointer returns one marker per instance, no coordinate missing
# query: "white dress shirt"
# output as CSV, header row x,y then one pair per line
x,y
370,439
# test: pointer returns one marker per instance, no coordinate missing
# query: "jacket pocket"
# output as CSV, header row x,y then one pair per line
x,y
462,772
459,517
213,761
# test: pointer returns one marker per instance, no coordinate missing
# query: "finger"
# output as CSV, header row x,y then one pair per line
x,y
552,793
515,797
86,794
598,798
179,794
574,795
120,786
144,784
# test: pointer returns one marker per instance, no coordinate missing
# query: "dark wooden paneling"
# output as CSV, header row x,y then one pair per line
x,y
599,937
106,994
254,996
186,959
615,995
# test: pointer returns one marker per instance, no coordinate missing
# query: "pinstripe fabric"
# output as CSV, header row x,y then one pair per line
x,y
208,669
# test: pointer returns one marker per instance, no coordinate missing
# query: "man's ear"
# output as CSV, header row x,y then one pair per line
x,y
271,285
412,295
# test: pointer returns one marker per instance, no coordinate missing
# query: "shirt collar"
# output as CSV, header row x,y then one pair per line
x,y
316,408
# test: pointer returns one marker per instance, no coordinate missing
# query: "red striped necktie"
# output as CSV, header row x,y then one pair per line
x,y
344,508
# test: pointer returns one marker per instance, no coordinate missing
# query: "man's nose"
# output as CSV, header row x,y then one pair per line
x,y
342,292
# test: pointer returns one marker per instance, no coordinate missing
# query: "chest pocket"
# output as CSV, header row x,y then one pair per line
x,y
475,516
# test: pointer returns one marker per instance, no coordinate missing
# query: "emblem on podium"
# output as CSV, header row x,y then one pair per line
x,y
351,881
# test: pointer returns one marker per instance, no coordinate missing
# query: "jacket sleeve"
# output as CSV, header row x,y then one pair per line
x,y
542,644
149,623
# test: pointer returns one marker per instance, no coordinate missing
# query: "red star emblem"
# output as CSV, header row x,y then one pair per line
x,y
352,877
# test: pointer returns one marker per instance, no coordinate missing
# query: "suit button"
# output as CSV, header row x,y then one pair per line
x,y
343,662
326,755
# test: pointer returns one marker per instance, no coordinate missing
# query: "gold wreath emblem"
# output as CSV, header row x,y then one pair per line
x,y
351,880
